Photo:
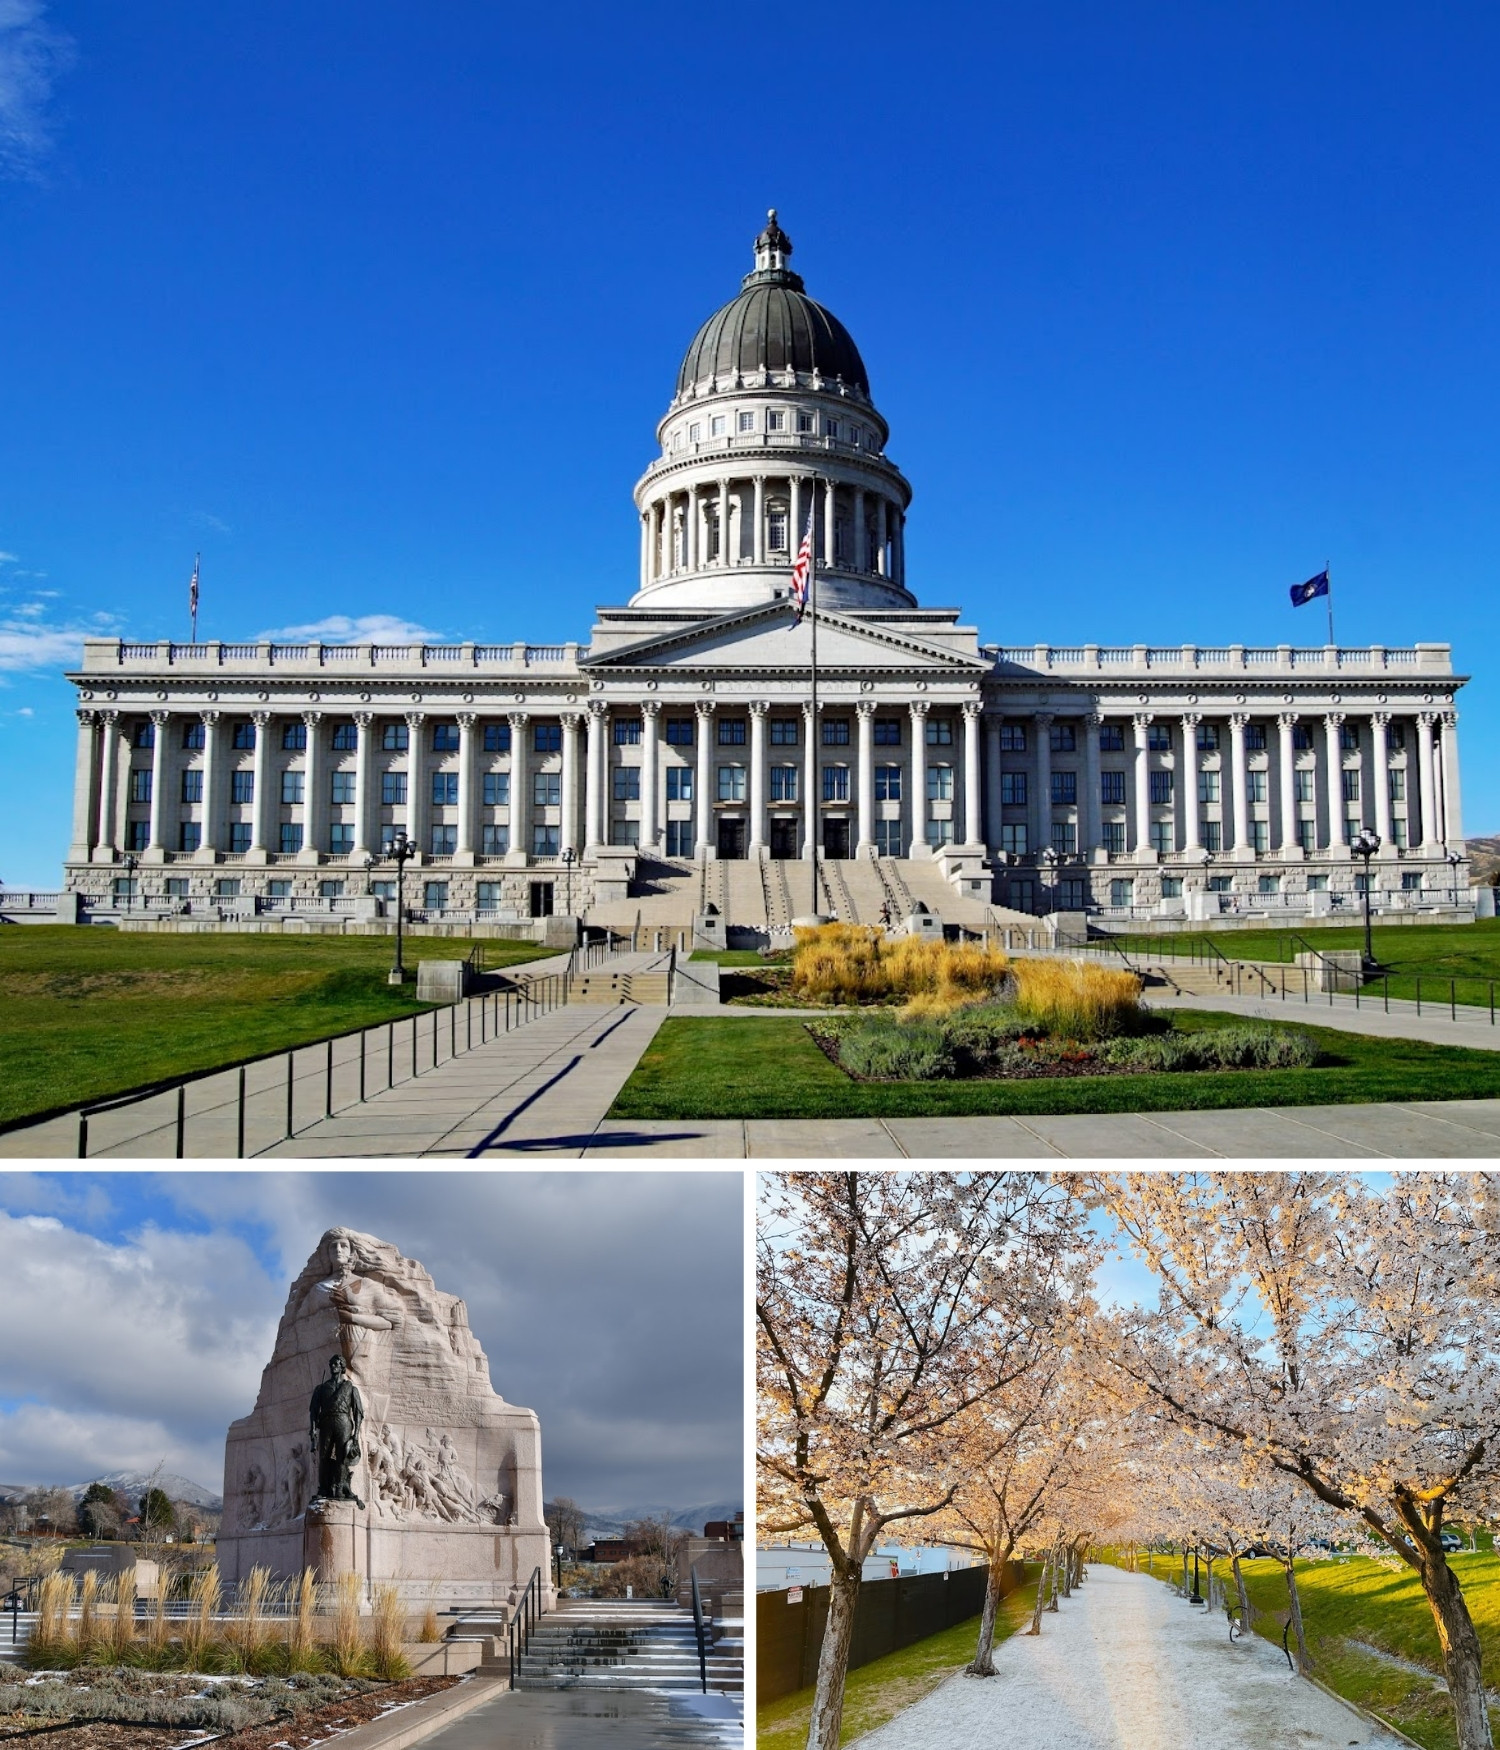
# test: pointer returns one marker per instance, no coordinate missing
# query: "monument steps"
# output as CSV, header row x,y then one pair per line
x,y
593,1644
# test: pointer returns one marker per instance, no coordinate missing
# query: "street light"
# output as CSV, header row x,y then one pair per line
x,y
132,863
1197,1597
569,858
1366,845
369,875
1452,859
400,847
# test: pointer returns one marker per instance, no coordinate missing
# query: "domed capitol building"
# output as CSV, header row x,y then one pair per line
x,y
676,759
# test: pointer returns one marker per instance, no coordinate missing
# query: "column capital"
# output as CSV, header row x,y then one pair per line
x,y
1449,719
1142,721
1239,721
162,718
759,707
1426,719
363,719
867,707
971,707
1042,719
517,720
1191,719
650,707
598,709
86,717
572,721
1286,719
1381,719
1094,719
705,708
1333,718
917,707
313,718
108,717
260,719
209,718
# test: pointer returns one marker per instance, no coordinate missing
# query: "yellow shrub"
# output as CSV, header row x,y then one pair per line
x,y
845,963
1076,999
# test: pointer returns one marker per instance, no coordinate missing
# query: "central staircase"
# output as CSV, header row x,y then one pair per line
x,y
623,1644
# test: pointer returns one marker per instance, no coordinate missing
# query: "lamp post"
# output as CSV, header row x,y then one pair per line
x,y
1366,845
369,875
1197,1597
569,857
132,863
1452,859
399,848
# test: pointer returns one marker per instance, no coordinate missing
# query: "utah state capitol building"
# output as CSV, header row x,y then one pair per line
x,y
673,759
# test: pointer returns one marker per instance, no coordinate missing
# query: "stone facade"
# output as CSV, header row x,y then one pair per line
x,y
449,1478
1186,781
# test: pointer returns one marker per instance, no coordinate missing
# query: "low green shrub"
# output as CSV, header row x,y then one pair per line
x,y
1214,1048
885,1050
127,1697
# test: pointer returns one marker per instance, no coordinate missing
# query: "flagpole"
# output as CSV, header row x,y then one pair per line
x,y
1328,573
812,728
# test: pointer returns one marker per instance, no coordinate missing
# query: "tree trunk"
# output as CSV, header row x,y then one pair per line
x,y
1151,1562
984,1664
1067,1570
1461,1660
1185,1592
1056,1561
1041,1593
1294,1598
833,1660
1239,1582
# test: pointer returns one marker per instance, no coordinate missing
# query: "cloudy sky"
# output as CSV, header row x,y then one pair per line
x,y
141,1307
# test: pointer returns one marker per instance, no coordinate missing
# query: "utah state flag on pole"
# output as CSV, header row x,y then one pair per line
x,y
1304,592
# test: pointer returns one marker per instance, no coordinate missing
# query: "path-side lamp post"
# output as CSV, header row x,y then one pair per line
x,y
1452,859
400,848
369,875
1197,1597
569,857
132,863
1366,845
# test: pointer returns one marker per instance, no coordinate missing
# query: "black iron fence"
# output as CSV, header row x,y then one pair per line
x,y
890,1614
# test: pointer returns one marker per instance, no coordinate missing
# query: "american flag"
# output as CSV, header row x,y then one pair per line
x,y
193,588
802,570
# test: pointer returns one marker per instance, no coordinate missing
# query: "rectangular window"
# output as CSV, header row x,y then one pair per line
x,y
679,838
1255,738
341,838
1352,827
1396,736
1064,738
176,887
1349,737
695,432
1161,837
783,783
138,835
1013,789
547,737
497,789
546,841
718,426
776,529
1208,786
444,839
1398,831
546,789
625,832
242,786
494,841
497,738
731,732
887,783
776,420
1071,894
489,895
1122,891
785,732
627,784
835,732
195,735
939,732
1213,836
1111,787
341,787
1260,837
679,783
1255,786
291,837
1208,738
394,738
190,836
1225,883
140,783
1159,737
1065,838
939,833
239,835
835,783
747,422
435,895
280,889
888,839
1303,785
1114,837
627,731
1171,887
445,789
1111,738
940,783
1351,785
345,737
1012,738
731,783
830,428
392,789
144,735
1307,835
1065,788
192,785
887,732
1161,787
680,732
243,737
1411,881
804,422
444,738
1301,737
1013,838
1397,777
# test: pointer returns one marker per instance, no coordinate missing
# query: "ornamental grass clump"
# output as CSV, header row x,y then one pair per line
x,y
838,963
1076,1000
198,1629
845,963
346,1646
52,1645
301,1644
387,1631
248,1631
86,1631
121,1641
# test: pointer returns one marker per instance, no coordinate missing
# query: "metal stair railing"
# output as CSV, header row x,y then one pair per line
x,y
698,1630
523,1623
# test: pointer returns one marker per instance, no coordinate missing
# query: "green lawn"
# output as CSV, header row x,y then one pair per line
x,y
770,1068
1354,1605
85,1013
878,1691
1467,953
737,956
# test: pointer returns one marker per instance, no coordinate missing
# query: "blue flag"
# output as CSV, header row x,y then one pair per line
x,y
1304,592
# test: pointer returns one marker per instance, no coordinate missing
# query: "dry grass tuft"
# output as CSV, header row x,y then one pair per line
x,y
347,1646
158,1636
301,1648
122,1639
1075,999
387,1631
844,963
52,1636
198,1629
86,1634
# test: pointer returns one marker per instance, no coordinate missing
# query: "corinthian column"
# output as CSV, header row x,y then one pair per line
x,y
704,750
919,846
1427,778
758,709
262,802
520,800
1453,823
155,845
85,777
464,849
593,799
1332,724
1380,777
1238,723
865,711
1142,847
312,786
567,838
209,845
1041,803
364,784
650,762
109,783
1192,839
973,830
1286,750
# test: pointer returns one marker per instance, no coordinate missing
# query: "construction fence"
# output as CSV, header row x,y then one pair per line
x,y
890,1614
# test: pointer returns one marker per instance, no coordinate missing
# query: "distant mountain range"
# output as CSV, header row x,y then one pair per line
x,y
133,1484
610,1522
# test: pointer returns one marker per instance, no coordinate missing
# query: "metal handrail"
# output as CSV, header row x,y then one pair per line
x,y
698,1630
523,1623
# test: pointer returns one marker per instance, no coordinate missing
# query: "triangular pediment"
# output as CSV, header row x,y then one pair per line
x,y
767,639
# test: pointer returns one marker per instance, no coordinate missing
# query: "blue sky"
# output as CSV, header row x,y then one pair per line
x,y
378,305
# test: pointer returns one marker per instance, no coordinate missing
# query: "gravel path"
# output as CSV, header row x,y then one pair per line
x,y
1127,1665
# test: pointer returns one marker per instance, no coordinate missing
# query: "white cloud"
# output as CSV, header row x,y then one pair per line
x,y
8,558
27,644
365,629
32,55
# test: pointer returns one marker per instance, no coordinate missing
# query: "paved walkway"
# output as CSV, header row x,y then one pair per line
x,y
1436,1023
612,1719
1127,1665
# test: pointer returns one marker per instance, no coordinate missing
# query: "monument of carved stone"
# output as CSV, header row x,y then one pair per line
x,y
378,1446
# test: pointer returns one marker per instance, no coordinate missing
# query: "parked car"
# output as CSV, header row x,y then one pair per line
x,y
1452,1541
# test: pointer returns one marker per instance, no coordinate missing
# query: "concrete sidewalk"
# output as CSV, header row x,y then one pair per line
x,y
1435,1024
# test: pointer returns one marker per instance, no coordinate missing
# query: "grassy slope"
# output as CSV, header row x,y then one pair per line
x,y
85,1013
878,1691
1469,953
770,1068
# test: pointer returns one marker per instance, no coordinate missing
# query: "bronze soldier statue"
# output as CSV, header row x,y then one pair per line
x,y
336,1416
